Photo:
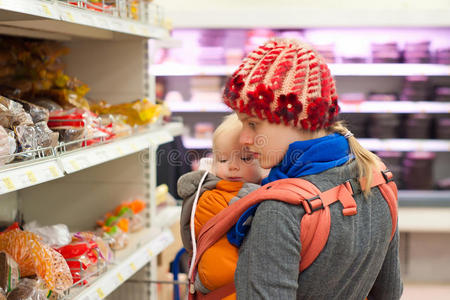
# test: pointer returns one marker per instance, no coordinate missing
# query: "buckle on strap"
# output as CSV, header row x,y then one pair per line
x,y
354,186
386,174
311,207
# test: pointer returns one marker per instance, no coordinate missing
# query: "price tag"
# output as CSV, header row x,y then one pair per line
x,y
31,177
8,183
132,29
68,16
53,171
150,253
134,147
120,277
46,10
133,267
120,150
100,293
75,165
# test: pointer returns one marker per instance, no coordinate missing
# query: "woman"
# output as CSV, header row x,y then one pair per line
x,y
286,99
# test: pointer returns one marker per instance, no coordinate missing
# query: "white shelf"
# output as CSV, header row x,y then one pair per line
x,y
370,144
364,69
424,219
400,107
167,216
17,176
193,143
405,145
28,174
196,106
143,247
64,19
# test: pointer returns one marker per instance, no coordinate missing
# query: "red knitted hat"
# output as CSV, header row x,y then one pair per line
x,y
284,81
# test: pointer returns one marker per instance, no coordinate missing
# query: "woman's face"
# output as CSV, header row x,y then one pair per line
x,y
266,141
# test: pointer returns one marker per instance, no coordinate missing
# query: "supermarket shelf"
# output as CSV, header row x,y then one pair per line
x,y
27,174
175,128
193,143
167,216
170,69
21,175
142,248
371,144
424,219
85,158
196,106
401,107
405,145
422,198
40,16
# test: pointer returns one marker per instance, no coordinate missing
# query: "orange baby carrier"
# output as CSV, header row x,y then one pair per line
x,y
315,224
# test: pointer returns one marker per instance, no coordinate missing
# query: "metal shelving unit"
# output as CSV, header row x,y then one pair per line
x,y
76,187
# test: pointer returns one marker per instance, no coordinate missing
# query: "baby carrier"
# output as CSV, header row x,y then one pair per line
x,y
315,224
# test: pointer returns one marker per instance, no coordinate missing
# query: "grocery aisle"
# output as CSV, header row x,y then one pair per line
x,y
104,104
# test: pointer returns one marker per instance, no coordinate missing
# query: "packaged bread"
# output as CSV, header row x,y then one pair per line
x,y
9,272
44,136
26,138
35,257
49,104
38,113
28,289
12,114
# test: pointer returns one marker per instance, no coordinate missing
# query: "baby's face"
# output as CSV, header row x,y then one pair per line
x,y
236,164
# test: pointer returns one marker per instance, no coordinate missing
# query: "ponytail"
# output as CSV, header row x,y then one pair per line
x,y
365,159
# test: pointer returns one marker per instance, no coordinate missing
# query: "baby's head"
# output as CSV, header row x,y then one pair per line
x,y
230,160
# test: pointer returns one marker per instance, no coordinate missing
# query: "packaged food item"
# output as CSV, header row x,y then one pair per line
x,y
44,136
103,248
4,145
118,238
35,257
28,289
12,114
26,137
81,258
49,104
38,113
9,272
55,235
139,112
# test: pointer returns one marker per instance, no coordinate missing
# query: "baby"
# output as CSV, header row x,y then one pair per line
x,y
233,174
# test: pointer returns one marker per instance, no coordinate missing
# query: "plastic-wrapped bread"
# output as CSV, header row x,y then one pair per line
x,y
7,145
12,114
35,257
9,272
26,137
49,104
44,136
28,289
38,113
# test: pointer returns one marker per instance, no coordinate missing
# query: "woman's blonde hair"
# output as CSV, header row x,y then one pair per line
x,y
366,161
230,125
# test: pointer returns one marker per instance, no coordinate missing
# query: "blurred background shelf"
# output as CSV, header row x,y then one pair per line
x,y
347,69
401,107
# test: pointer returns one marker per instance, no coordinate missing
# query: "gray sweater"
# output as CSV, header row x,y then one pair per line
x,y
358,261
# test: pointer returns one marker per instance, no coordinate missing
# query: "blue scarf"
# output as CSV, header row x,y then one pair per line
x,y
302,158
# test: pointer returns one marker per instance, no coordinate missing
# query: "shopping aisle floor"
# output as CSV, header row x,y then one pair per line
x,y
426,291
